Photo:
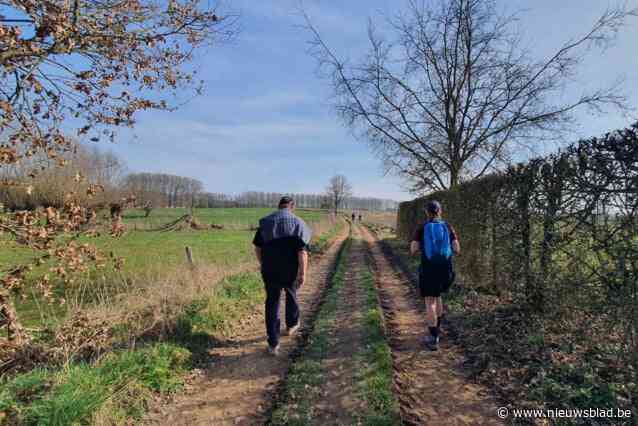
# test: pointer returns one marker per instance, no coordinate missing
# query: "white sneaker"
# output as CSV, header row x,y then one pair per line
x,y
292,330
273,350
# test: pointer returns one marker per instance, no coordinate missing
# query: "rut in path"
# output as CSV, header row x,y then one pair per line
x,y
237,386
430,386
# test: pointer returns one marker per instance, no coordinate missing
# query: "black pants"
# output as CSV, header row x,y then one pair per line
x,y
273,296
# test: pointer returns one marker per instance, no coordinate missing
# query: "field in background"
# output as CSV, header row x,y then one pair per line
x,y
382,223
147,249
156,258
232,218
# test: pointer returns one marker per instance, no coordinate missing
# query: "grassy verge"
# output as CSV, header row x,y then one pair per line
x,y
216,313
117,387
375,374
303,383
325,240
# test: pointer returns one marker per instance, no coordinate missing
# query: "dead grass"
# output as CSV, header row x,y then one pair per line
x,y
386,219
152,305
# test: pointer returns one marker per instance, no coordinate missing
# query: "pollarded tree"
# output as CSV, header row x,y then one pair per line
x,y
338,190
82,68
455,91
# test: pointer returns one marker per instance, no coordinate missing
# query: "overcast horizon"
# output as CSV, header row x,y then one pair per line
x,y
265,123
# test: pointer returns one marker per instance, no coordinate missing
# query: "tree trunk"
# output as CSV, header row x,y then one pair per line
x,y
455,172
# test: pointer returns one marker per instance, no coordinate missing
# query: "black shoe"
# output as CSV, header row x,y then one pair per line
x,y
432,343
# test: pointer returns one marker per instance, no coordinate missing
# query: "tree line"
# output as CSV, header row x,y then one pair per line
x,y
107,171
61,178
162,190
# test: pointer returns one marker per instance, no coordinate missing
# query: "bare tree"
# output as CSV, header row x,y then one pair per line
x,y
50,186
160,189
455,91
338,190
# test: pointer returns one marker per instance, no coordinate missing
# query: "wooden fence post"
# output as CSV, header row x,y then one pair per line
x,y
189,256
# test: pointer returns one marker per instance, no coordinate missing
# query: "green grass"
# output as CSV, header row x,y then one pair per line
x,y
119,385
122,382
375,376
322,242
150,254
306,374
232,217
231,299
143,249
147,255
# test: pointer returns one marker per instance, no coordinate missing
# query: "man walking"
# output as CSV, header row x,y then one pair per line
x,y
281,246
436,240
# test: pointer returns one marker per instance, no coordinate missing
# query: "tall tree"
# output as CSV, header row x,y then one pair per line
x,y
454,91
338,190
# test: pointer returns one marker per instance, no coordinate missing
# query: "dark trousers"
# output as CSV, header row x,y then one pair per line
x,y
273,296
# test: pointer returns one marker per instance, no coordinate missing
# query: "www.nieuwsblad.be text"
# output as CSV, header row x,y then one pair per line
x,y
587,413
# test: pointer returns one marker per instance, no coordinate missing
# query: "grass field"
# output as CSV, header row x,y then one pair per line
x,y
142,248
149,255
233,218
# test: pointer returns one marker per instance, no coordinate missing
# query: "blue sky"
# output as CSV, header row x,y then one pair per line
x,y
265,123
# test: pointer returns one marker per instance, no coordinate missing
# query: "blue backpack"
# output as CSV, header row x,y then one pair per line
x,y
436,242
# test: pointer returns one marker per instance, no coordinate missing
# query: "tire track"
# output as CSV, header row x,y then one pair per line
x,y
431,387
239,385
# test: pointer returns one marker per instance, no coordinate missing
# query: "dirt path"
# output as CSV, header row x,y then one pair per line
x,y
340,404
431,387
237,386
344,375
